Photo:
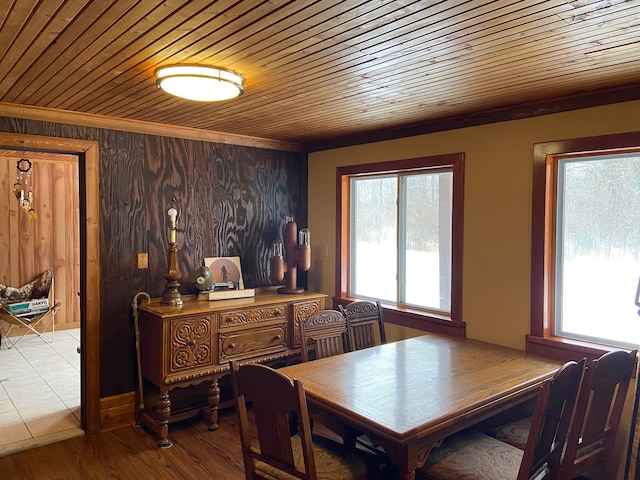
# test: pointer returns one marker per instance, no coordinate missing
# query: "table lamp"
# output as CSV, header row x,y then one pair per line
x,y
171,294
297,254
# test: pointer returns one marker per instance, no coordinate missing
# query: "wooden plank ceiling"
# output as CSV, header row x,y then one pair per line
x,y
319,72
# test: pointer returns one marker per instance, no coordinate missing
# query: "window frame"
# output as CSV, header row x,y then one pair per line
x,y
423,320
541,339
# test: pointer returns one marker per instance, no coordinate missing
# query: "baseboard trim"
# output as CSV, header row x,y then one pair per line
x,y
117,411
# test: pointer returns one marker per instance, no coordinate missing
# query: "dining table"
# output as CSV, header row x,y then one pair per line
x,y
408,395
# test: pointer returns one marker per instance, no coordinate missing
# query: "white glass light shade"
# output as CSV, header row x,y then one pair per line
x,y
304,237
200,82
277,248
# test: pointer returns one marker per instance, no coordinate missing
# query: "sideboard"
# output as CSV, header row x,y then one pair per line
x,y
184,346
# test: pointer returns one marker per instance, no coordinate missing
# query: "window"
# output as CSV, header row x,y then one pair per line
x,y
401,234
586,241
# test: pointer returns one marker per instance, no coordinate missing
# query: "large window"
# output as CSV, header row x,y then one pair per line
x,y
401,234
586,244
403,221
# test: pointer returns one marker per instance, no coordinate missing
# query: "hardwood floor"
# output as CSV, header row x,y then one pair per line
x,y
131,453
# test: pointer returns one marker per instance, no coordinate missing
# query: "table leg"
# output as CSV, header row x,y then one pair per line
x,y
213,398
403,456
407,457
163,411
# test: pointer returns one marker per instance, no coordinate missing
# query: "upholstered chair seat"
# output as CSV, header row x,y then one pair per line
x,y
333,461
474,455
514,433
471,455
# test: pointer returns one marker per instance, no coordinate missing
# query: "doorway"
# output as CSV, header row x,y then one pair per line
x,y
40,376
89,293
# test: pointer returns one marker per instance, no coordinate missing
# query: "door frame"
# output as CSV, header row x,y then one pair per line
x,y
88,157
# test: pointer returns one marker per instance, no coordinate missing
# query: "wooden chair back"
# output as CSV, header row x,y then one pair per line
x,y
364,320
276,399
598,411
550,423
326,332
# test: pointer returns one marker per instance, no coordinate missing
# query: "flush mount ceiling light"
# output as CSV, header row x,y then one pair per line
x,y
199,82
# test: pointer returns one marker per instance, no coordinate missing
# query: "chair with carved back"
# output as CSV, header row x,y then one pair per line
x,y
366,329
269,450
364,321
326,333
598,411
599,408
472,454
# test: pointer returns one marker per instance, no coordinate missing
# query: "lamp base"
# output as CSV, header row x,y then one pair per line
x,y
290,290
171,294
173,302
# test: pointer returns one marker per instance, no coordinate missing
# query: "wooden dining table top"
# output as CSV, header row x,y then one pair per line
x,y
410,394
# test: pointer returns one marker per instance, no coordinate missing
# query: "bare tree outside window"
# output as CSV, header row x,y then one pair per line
x,y
598,248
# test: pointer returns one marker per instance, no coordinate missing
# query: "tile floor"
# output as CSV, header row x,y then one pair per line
x,y
39,391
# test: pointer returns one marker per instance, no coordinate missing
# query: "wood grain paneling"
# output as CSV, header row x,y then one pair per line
x,y
52,241
233,200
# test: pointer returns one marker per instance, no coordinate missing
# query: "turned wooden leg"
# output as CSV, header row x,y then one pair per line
x,y
163,412
214,401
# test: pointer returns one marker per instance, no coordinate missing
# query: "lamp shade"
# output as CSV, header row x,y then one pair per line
x,y
200,82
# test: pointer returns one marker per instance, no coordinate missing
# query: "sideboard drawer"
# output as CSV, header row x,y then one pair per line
x,y
251,317
252,343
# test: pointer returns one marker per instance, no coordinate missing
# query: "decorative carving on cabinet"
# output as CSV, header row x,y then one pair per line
x,y
191,343
300,312
251,316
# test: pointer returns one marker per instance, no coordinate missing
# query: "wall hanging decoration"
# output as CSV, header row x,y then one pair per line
x,y
23,188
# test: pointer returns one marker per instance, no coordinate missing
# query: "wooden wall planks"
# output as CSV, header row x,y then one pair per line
x,y
233,199
27,248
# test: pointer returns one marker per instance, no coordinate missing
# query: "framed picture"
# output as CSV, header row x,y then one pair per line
x,y
226,272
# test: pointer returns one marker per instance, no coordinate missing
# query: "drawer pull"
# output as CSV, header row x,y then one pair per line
x,y
278,337
232,345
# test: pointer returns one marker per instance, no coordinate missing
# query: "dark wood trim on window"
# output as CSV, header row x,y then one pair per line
x,y
393,314
565,349
541,339
413,319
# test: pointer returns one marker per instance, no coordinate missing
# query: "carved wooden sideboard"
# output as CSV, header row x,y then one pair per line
x,y
191,344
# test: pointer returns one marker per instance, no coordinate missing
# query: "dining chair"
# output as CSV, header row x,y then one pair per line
x,y
598,411
597,417
269,449
472,454
326,333
364,321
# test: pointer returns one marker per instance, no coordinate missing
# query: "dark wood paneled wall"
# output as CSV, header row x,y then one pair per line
x,y
233,201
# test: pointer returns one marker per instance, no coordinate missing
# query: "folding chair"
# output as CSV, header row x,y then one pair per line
x,y
19,307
